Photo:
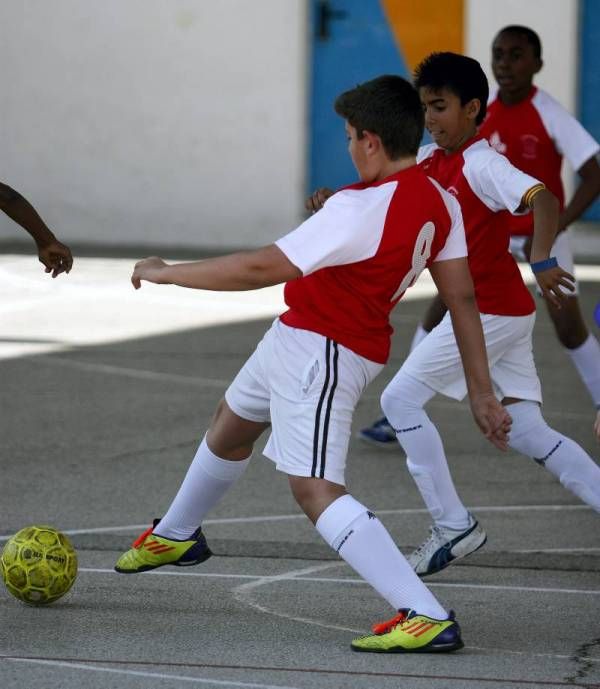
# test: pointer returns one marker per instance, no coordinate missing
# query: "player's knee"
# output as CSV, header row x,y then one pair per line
x,y
391,405
314,495
396,401
530,434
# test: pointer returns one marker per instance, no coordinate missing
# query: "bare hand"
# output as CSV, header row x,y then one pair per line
x,y
317,200
56,257
550,283
493,420
149,269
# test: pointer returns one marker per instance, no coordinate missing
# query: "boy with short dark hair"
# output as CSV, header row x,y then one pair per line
x,y
534,132
345,268
453,90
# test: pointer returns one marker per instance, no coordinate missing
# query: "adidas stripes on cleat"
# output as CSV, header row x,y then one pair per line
x,y
444,546
150,551
410,632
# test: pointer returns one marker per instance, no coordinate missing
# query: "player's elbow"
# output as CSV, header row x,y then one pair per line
x,y
269,266
461,296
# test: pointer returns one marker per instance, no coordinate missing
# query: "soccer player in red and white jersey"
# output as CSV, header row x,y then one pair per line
x,y
345,268
453,89
535,132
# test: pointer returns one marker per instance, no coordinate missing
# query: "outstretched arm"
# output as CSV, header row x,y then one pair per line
x,y
53,254
454,283
245,270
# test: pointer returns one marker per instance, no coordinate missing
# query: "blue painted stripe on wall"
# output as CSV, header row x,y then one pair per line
x,y
360,46
589,80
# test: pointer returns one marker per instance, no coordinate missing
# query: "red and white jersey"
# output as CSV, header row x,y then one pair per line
x,y
486,185
361,251
534,135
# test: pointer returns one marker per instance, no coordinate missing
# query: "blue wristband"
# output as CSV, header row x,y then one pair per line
x,y
540,266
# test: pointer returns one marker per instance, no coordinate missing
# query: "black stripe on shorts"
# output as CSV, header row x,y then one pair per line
x,y
329,365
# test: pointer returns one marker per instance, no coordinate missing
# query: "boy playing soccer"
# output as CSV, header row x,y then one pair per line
x,y
454,91
344,268
534,132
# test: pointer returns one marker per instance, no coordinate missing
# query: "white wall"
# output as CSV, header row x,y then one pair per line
x,y
179,122
556,23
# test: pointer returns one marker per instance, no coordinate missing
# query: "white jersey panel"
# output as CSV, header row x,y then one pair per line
x,y
570,138
348,229
456,242
425,152
495,182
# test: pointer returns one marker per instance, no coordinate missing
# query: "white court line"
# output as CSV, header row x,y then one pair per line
x,y
132,372
299,575
243,594
144,374
150,675
291,517
556,550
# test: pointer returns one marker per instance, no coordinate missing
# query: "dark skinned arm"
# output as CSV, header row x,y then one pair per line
x,y
55,256
585,194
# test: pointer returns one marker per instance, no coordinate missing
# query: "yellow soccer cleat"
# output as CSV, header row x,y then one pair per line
x,y
410,632
150,551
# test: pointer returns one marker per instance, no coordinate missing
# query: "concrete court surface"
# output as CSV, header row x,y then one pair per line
x,y
104,395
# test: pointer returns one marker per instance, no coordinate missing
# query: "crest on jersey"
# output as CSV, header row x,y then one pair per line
x,y
496,143
529,145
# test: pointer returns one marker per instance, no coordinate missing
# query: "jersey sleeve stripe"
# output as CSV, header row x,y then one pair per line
x,y
529,195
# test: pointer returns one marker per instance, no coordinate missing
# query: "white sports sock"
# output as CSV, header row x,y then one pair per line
x,y
364,543
574,468
420,334
206,482
586,359
402,402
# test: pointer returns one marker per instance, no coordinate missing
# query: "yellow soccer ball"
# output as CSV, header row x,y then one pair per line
x,y
38,565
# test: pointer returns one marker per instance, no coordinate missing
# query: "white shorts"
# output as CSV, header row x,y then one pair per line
x,y
307,386
436,360
561,250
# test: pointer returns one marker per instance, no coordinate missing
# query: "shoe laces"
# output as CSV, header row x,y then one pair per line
x,y
139,541
387,626
436,537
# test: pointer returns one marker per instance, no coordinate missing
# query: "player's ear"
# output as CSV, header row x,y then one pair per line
x,y
373,142
472,108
